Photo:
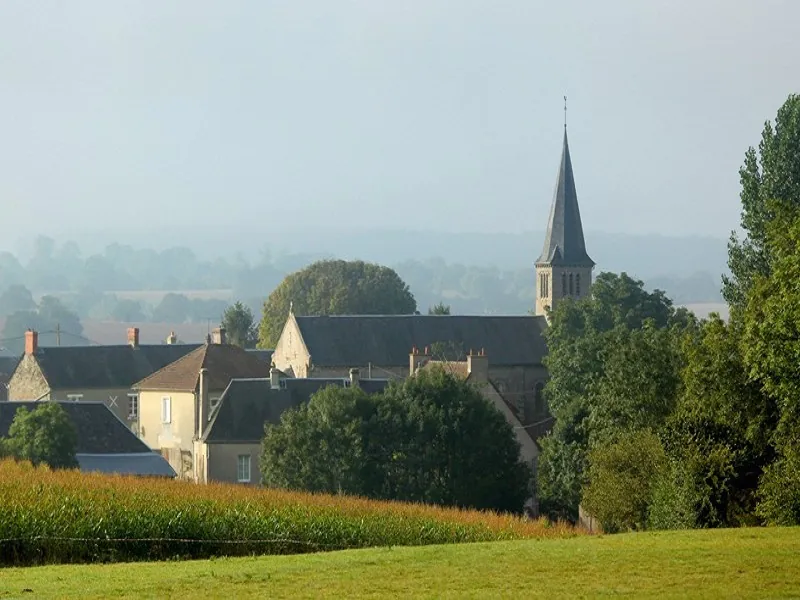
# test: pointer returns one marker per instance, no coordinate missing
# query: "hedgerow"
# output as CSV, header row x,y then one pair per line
x,y
68,516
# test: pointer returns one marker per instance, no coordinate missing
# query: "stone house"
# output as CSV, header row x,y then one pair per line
x,y
177,401
230,448
90,373
379,345
104,443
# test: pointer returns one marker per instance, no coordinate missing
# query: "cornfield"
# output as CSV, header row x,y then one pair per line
x,y
68,516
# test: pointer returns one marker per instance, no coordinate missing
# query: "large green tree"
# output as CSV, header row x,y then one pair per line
x,y
335,287
432,438
614,363
240,326
772,172
771,344
721,429
43,435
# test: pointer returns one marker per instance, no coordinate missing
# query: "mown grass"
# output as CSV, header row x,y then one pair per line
x,y
67,516
743,563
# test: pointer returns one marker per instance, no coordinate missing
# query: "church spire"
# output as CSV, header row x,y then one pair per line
x,y
563,242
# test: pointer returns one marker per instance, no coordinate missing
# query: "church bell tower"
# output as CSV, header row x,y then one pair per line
x,y
564,269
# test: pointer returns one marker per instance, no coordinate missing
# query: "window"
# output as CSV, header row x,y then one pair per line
x,y
133,406
570,284
74,397
578,284
563,284
546,285
166,409
243,468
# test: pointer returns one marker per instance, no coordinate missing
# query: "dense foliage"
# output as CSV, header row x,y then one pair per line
x,y
68,516
335,287
44,435
434,438
772,173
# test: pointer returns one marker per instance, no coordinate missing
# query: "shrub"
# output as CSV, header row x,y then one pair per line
x,y
621,478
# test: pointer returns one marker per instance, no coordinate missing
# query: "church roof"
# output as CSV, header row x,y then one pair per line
x,y
386,340
563,242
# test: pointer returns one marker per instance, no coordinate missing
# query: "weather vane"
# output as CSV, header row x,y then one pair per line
x,y
565,112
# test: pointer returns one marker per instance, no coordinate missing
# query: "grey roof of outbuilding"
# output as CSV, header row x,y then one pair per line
x,y
99,430
564,243
248,404
149,464
100,367
387,340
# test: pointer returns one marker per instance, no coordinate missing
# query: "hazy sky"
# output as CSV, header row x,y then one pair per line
x,y
429,114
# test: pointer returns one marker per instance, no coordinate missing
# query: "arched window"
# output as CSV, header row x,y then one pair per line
x,y
546,285
570,284
578,284
563,284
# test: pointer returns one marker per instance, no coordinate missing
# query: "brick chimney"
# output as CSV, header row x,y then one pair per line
x,y
478,366
31,341
133,336
218,335
416,359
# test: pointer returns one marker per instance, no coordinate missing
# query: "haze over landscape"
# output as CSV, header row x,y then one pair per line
x,y
240,125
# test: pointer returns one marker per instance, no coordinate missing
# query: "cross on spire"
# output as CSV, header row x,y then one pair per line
x,y
565,112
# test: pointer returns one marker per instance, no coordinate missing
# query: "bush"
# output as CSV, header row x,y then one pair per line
x,y
672,505
621,479
779,491
66,516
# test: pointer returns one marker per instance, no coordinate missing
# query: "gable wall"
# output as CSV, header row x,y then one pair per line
x,y
290,351
28,382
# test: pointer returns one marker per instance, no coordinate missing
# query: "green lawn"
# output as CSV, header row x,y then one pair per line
x,y
743,563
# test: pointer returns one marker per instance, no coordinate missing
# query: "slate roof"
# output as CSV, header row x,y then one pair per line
x,y
148,463
248,404
223,361
119,366
99,430
265,355
563,242
356,340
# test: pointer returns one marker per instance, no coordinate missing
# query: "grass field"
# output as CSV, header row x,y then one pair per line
x,y
743,563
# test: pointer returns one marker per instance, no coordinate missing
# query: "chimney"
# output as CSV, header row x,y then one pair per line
x,y
274,378
416,360
133,336
202,402
218,335
31,341
478,367
354,377
172,338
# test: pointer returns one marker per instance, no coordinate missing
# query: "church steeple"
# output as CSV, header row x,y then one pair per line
x,y
564,269
563,242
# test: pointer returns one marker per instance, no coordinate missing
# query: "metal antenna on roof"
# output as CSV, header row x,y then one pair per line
x,y
565,112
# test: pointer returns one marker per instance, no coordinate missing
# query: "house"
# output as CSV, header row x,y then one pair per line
x,y
175,403
105,443
378,345
90,373
230,447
